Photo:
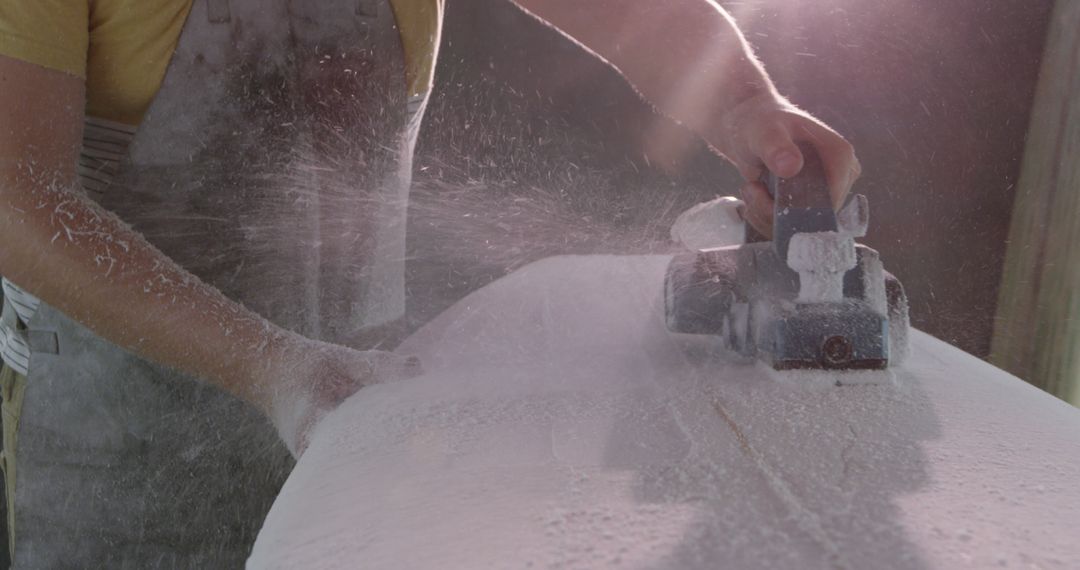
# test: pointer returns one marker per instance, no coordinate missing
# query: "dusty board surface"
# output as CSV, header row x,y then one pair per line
x,y
560,426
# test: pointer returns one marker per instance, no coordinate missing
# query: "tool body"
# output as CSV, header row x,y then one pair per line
x,y
810,299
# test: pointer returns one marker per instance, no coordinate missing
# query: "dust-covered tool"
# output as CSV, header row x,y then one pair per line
x,y
809,299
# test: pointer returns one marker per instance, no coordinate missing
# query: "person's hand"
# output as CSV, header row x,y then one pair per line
x,y
310,378
761,132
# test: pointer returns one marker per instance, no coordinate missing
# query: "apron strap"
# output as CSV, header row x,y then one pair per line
x,y
217,11
368,8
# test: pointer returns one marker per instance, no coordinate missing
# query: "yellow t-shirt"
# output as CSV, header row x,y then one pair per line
x,y
420,26
122,48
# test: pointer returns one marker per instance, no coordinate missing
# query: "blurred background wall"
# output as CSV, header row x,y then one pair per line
x,y
1037,331
533,148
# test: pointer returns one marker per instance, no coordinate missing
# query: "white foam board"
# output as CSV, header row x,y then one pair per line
x,y
559,425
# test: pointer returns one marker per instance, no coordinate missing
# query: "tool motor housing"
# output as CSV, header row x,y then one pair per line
x,y
747,297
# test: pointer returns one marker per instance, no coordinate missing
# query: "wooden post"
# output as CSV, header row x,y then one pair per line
x,y
1037,331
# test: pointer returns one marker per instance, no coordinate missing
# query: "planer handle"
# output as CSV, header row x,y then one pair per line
x,y
802,203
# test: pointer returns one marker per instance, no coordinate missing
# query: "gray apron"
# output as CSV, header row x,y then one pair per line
x,y
274,164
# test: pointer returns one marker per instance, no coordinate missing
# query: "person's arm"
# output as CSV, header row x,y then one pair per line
x,y
689,59
81,259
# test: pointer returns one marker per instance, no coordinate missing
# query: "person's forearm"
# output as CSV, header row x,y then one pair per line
x,y
84,261
686,57
57,244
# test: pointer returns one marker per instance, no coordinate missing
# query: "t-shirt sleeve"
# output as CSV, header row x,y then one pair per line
x,y
50,33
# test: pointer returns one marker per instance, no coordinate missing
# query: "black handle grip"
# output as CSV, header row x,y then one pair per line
x,y
802,203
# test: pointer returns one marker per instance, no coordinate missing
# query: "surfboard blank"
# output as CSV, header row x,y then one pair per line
x,y
561,426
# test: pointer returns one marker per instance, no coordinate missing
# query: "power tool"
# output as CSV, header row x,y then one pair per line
x,y
811,298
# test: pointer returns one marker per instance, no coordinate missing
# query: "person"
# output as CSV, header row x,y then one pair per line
x,y
208,197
